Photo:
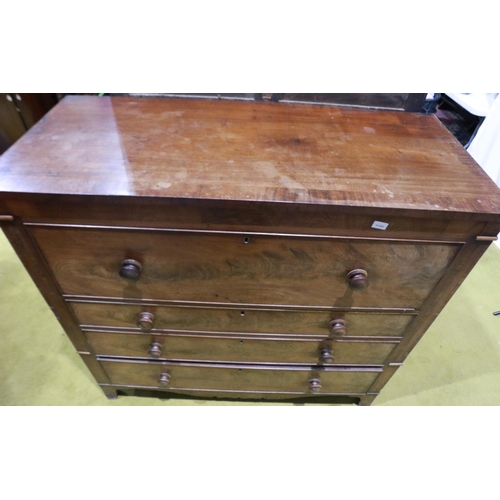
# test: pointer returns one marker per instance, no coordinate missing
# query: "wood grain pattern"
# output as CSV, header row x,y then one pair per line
x,y
232,348
254,269
251,321
245,219
240,378
179,149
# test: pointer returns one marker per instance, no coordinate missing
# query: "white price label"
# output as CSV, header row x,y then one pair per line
x,y
380,225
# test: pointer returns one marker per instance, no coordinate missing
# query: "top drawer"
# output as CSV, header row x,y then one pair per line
x,y
238,268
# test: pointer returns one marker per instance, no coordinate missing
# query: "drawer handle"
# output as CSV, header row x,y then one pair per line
x,y
146,321
338,328
315,385
358,279
130,270
155,350
165,379
326,356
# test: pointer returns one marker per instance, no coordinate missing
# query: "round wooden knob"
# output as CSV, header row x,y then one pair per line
x,y
315,385
338,327
358,279
326,356
155,350
130,270
164,379
146,321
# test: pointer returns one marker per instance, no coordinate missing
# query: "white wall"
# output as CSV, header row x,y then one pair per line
x,y
485,148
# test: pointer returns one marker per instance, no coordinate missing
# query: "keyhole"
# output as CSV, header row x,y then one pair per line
x,y
246,240
243,314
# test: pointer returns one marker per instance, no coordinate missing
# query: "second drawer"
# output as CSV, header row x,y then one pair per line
x,y
237,349
321,323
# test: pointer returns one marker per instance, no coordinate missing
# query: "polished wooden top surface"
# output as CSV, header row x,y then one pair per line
x,y
223,150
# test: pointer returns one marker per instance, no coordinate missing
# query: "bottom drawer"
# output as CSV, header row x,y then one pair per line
x,y
241,378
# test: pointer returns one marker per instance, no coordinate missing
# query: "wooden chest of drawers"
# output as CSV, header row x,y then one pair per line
x,y
244,250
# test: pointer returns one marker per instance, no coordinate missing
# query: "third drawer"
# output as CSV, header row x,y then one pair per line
x,y
236,349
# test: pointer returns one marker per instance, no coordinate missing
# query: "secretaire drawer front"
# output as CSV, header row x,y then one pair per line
x,y
239,349
298,380
234,268
202,319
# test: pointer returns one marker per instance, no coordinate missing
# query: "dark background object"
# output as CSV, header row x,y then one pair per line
x,y
431,103
204,95
19,112
462,124
399,102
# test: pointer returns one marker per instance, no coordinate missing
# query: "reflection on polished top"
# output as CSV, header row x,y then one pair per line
x,y
223,150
